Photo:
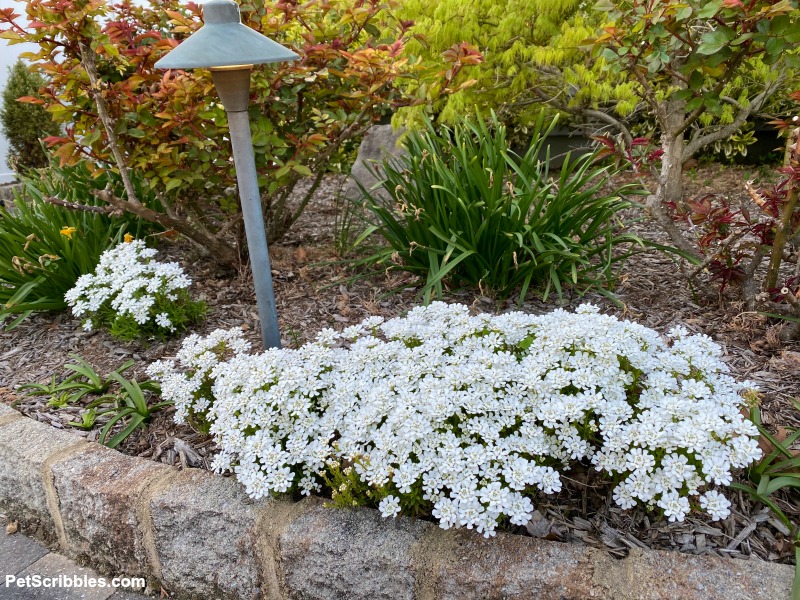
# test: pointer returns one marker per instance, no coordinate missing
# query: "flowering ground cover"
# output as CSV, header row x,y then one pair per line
x,y
134,295
468,417
311,299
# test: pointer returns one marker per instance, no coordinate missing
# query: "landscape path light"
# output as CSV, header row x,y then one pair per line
x,y
230,49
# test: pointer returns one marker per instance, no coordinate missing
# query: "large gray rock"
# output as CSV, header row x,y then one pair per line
x,y
355,554
379,143
25,447
206,534
100,494
7,193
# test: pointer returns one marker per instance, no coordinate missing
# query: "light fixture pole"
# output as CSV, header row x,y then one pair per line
x,y
230,49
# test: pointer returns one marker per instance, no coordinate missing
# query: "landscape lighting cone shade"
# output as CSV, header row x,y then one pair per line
x,y
223,41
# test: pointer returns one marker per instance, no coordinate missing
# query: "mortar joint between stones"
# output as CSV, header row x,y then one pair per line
x,y
152,486
51,493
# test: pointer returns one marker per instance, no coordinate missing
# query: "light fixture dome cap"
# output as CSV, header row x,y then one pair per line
x,y
223,41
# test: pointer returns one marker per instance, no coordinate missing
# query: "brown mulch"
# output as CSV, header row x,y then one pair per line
x,y
311,297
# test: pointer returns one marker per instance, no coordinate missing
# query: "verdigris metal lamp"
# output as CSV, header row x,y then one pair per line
x,y
230,50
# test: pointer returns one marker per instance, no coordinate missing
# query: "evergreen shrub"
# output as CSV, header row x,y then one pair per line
x,y
25,124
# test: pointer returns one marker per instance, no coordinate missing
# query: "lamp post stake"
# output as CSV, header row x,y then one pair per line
x,y
233,86
247,179
230,49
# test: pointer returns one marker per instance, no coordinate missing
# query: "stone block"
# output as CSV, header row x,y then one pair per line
x,y
329,553
463,565
129,596
6,411
660,575
25,445
7,193
206,535
101,497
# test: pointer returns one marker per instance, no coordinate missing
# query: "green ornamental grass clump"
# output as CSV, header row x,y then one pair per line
x,y
462,207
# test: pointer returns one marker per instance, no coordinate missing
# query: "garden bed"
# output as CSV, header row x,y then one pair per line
x,y
311,298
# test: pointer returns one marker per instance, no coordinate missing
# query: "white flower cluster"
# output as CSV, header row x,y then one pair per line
x,y
473,414
128,280
192,393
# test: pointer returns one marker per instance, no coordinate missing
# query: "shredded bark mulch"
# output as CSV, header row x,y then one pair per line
x,y
311,297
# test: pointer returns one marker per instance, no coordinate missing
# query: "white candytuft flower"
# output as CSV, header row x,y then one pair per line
x,y
473,415
162,320
715,504
389,506
128,282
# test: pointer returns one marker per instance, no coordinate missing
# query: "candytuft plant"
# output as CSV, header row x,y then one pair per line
x,y
468,418
45,245
135,296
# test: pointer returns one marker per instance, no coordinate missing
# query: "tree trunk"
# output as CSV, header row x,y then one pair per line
x,y
672,142
217,248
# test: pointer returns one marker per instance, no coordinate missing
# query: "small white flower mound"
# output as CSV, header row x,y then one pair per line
x,y
128,281
470,416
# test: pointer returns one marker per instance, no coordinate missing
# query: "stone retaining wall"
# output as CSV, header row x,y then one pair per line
x,y
199,536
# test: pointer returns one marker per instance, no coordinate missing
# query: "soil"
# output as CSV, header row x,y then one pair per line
x,y
311,296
